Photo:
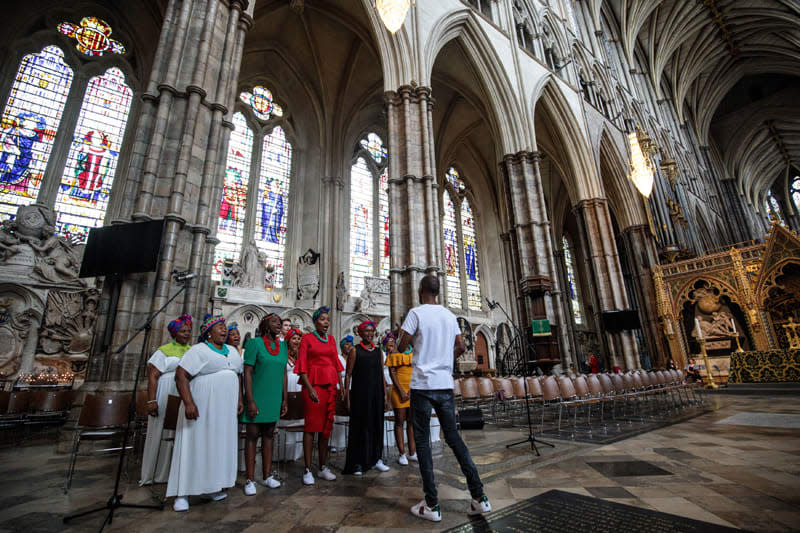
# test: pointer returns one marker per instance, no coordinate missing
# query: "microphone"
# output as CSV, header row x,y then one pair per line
x,y
183,276
491,304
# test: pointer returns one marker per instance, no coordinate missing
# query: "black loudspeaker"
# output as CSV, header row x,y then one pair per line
x,y
470,419
621,320
122,249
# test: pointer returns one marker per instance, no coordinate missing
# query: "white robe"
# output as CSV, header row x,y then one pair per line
x,y
292,442
157,454
204,458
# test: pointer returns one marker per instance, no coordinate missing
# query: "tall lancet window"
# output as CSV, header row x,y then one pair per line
x,y
772,207
460,245
369,213
575,305
30,120
259,148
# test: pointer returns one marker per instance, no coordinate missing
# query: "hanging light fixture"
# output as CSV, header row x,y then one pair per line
x,y
641,173
393,13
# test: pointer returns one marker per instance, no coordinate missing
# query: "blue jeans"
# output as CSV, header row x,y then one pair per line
x,y
441,401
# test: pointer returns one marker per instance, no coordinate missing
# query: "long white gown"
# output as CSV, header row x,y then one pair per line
x,y
293,441
157,454
204,458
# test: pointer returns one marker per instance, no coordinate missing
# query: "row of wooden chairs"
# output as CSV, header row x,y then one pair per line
x,y
25,410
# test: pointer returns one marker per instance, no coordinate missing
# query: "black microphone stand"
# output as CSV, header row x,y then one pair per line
x,y
524,348
115,501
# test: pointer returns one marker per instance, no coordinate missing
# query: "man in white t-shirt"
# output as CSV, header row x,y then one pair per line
x,y
437,342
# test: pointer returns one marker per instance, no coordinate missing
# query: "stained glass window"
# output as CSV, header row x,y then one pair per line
x,y
92,161
573,289
361,256
795,193
93,36
454,179
470,256
262,103
451,262
28,128
383,221
230,229
375,147
773,209
273,201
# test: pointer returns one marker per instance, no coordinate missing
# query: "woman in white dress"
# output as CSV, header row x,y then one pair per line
x,y
160,385
293,443
208,380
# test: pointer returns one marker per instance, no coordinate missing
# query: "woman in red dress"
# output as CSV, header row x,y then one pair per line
x,y
318,366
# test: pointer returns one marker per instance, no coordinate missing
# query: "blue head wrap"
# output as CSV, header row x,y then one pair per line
x,y
346,339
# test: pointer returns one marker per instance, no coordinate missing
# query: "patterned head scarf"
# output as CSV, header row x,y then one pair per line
x,y
364,325
318,313
208,322
233,326
386,338
175,326
345,340
292,332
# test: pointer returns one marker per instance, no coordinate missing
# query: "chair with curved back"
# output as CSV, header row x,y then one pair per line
x,y
487,398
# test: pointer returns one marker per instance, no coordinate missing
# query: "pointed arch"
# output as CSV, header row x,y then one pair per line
x,y
623,198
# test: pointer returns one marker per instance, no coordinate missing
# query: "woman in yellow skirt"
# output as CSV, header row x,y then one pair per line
x,y
399,365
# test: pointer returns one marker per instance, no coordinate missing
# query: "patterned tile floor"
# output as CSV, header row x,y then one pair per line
x,y
742,475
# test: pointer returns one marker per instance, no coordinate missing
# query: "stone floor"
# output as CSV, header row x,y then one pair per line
x,y
742,472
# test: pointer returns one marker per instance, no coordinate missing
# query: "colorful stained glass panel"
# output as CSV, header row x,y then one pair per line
x,y
451,262
29,124
796,192
93,36
772,207
575,305
470,256
374,145
92,161
454,179
383,221
273,202
230,229
361,255
262,103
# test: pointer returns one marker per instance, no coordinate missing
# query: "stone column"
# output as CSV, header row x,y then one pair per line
x,y
415,231
642,256
177,165
598,235
533,249
332,251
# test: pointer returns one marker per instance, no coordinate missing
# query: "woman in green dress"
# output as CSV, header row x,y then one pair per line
x,y
265,397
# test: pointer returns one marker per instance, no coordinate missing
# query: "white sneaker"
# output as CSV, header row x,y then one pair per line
x,y
413,457
308,478
249,488
423,511
403,460
358,472
333,449
217,496
272,483
380,466
326,474
481,506
181,504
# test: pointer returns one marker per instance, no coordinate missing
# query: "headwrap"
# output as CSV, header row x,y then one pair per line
x,y
364,325
233,326
345,340
291,333
208,323
175,326
319,312
386,338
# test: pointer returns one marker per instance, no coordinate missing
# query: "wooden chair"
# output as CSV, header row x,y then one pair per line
x,y
551,395
170,423
48,408
469,393
15,413
103,416
487,398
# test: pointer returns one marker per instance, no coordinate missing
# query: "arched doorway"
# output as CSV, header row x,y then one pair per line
x,y
482,352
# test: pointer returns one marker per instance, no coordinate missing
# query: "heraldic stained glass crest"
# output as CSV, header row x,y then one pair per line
x,y
470,256
28,126
93,37
262,103
451,262
374,145
361,251
94,152
273,202
230,229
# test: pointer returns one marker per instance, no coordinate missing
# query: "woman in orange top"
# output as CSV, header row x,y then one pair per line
x,y
318,366
400,371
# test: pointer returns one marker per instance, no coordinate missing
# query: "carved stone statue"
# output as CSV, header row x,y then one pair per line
x,y
9,243
308,276
68,325
14,329
253,264
467,361
341,292
374,295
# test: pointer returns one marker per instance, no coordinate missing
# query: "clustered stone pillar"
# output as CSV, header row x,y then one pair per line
x,y
598,240
532,245
642,256
177,167
415,231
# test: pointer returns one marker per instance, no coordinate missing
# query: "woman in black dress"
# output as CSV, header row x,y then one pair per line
x,y
365,399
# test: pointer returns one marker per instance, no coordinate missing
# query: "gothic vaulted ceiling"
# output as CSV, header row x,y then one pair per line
x,y
698,52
